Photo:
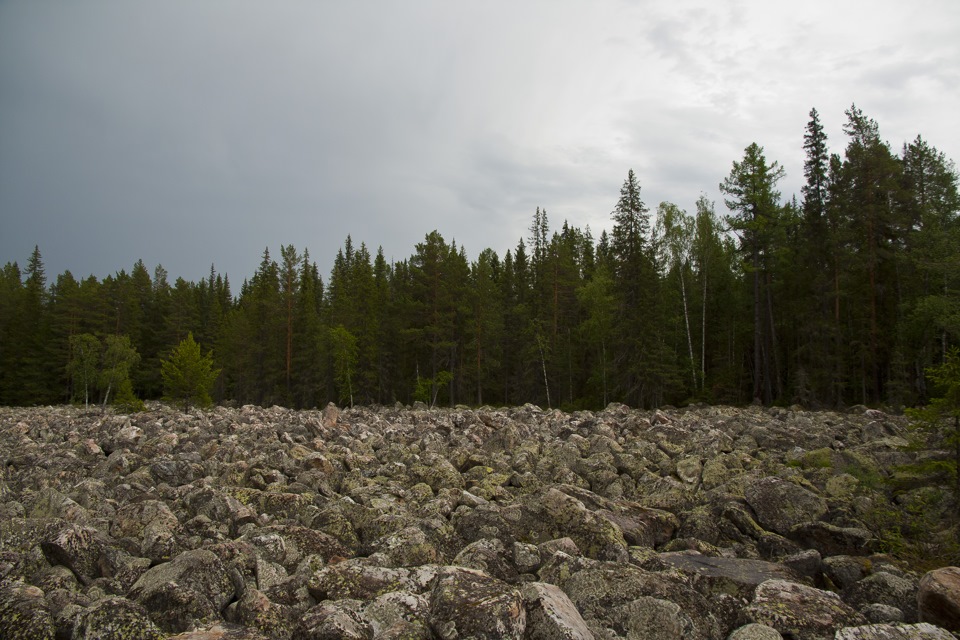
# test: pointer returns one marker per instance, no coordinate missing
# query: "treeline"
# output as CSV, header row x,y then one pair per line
x,y
845,296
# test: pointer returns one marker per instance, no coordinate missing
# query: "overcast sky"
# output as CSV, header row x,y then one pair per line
x,y
191,133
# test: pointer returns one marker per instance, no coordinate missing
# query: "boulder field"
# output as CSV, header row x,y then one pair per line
x,y
397,522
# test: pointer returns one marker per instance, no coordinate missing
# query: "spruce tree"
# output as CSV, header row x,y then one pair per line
x,y
188,375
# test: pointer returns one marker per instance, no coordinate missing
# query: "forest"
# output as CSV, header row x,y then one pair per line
x,y
844,296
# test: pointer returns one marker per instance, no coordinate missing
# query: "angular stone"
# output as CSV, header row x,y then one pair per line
x,y
465,603
800,611
922,631
735,576
117,618
551,615
188,591
781,505
24,614
78,548
938,598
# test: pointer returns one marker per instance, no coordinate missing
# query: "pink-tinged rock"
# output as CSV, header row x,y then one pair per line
x,y
938,599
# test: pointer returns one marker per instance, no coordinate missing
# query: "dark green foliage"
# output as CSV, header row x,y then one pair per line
x,y
188,376
849,295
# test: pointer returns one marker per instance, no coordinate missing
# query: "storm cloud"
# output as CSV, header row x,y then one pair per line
x,y
189,133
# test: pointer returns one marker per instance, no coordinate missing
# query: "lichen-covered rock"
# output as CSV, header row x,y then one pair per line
x,y
78,548
465,603
922,631
152,524
938,598
490,556
359,509
735,576
884,588
552,514
190,590
831,540
339,620
599,589
355,580
648,617
255,610
781,505
800,611
755,631
24,614
551,615
116,619
399,614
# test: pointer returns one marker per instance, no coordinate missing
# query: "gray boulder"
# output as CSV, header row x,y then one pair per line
x,y
802,612
192,589
781,505
465,603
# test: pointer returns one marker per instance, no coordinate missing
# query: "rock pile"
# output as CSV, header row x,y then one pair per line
x,y
707,522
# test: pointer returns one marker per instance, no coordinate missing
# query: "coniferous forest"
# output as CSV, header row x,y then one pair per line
x,y
843,296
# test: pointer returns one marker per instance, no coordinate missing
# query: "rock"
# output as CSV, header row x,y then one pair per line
x,y
188,591
938,598
781,505
24,614
735,576
922,631
489,556
552,514
754,631
78,548
844,571
255,610
800,611
600,589
220,631
354,580
884,588
338,620
831,540
465,603
116,619
253,523
648,617
399,614
878,613
551,615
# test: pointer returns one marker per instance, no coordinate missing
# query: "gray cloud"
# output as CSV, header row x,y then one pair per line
x,y
190,133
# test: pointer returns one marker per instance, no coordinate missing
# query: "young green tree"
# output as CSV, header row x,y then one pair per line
x,y
84,360
188,376
677,228
344,348
120,358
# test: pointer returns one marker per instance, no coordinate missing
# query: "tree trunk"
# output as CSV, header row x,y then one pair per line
x,y
543,362
703,336
686,319
757,331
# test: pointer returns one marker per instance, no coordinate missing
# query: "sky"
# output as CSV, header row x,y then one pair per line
x,y
191,133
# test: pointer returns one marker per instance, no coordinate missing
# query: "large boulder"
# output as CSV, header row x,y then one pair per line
x,y
551,615
600,591
190,590
466,603
938,598
800,611
24,614
116,619
922,631
781,505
